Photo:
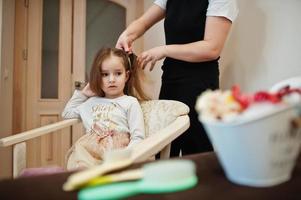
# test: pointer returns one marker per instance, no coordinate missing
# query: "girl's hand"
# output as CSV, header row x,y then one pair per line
x,y
151,56
124,43
87,91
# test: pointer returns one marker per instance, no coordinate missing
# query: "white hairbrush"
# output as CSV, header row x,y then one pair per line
x,y
158,177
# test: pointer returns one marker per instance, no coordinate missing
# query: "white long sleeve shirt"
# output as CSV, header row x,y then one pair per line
x,y
122,114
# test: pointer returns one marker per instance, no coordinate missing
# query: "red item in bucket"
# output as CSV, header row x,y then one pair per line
x,y
261,96
265,96
243,100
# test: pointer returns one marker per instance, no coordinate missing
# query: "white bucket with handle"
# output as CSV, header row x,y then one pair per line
x,y
260,151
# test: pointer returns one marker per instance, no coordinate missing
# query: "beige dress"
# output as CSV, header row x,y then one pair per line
x,y
109,123
89,150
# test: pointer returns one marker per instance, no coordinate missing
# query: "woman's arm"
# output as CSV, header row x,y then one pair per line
x,y
216,32
139,27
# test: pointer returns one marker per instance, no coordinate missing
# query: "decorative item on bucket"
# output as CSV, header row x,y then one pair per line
x,y
256,137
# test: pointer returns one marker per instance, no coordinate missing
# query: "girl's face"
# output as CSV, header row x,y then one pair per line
x,y
114,77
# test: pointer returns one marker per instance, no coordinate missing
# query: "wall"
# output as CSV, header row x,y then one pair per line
x,y
263,48
0,41
153,37
105,22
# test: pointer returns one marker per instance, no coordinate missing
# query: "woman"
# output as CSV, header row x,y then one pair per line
x,y
195,33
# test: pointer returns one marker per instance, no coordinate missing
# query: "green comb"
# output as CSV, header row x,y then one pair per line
x,y
158,177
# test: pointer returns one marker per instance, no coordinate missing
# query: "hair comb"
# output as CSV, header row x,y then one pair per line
x,y
131,57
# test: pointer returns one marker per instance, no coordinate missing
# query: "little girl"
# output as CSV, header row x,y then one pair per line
x,y
108,107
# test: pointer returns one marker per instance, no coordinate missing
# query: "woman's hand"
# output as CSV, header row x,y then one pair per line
x,y
151,56
87,91
124,42
138,27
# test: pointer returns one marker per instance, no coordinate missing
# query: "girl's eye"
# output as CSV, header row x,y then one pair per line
x,y
119,73
104,74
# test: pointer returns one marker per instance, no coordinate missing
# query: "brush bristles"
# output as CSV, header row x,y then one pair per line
x,y
169,170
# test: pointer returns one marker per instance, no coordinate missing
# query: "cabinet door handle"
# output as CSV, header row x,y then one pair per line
x,y
79,85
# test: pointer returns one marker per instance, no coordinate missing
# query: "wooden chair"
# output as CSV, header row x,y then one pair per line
x,y
164,120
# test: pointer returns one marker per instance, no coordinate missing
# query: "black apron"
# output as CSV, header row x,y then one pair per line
x,y
184,81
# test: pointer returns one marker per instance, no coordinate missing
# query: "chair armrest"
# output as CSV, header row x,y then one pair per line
x,y
156,142
27,135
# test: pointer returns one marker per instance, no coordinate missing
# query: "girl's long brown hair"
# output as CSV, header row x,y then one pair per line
x,y
133,85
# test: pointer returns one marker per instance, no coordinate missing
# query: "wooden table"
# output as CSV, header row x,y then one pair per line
x,y
212,185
